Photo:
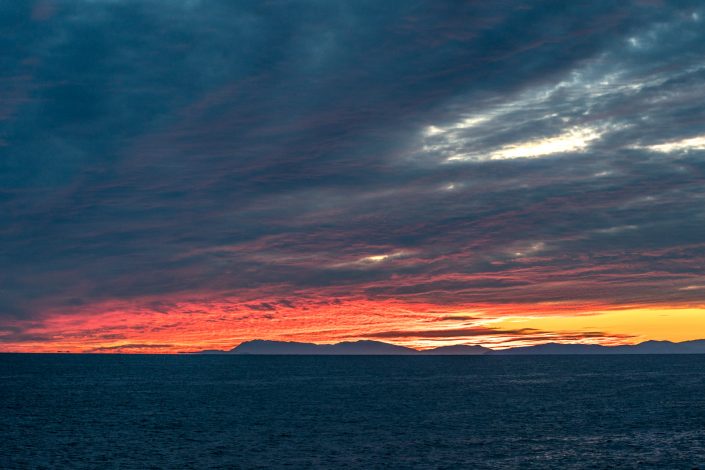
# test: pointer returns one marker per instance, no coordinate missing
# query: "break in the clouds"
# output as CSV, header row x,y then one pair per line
x,y
220,171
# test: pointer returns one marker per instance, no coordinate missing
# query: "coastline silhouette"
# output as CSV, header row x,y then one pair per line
x,y
374,348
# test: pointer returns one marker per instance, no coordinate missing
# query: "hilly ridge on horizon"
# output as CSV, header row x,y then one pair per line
x,y
367,347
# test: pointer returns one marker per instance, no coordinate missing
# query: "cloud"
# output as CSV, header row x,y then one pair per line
x,y
692,143
506,336
455,318
129,347
157,154
450,333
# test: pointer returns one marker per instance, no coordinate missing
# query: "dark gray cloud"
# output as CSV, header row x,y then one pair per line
x,y
445,152
507,336
129,347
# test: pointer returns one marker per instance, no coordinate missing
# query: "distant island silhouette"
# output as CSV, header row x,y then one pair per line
x,y
379,348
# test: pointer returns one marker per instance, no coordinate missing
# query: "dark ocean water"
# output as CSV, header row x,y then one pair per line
x,y
125,412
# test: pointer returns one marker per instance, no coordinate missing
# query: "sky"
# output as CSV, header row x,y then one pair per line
x,y
178,175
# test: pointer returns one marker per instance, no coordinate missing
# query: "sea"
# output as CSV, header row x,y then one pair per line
x,y
473,412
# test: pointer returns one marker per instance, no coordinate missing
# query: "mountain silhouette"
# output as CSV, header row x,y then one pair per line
x,y
347,348
457,350
647,347
379,348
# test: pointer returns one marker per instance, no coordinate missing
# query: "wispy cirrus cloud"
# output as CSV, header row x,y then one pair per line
x,y
503,337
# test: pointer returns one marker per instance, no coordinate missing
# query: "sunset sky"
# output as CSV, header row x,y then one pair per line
x,y
178,175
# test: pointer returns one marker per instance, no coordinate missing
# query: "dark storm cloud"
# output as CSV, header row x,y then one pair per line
x,y
362,148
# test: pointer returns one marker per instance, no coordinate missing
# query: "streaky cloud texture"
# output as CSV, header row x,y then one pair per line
x,y
178,175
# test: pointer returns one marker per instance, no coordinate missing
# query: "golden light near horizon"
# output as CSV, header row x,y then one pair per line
x,y
644,323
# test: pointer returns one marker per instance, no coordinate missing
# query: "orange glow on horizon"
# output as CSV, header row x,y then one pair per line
x,y
195,324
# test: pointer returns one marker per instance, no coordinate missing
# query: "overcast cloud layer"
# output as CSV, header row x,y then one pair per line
x,y
274,155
